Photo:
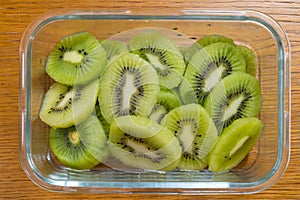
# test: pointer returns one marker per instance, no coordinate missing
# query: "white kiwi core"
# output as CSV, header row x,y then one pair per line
x,y
74,137
68,96
154,60
141,149
73,57
129,90
213,78
238,145
186,137
232,107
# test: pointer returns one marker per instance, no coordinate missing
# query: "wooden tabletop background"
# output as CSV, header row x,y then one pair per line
x,y
15,15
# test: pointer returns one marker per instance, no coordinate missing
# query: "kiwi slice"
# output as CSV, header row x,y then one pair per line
x,y
189,51
196,132
114,48
142,143
65,105
80,147
166,101
214,38
236,96
158,113
209,65
234,144
128,86
250,59
77,59
163,54
186,92
203,42
104,123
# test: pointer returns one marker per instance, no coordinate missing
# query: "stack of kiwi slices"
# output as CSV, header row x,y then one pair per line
x,y
151,105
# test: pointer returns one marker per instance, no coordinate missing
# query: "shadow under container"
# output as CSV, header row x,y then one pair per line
x,y
262,168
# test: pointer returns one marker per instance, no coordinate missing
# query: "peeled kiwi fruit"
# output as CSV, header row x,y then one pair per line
x,y
236,96
189,51
234,144
76,59
163,54
210,64
142,143
214,38
114,48
196,133
186,93
128,86
65,105
80,147
166,101
250,59
105,124
203,42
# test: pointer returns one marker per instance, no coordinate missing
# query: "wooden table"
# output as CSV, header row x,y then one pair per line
x,y
15,15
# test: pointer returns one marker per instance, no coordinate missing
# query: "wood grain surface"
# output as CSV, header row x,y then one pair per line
x,y
15,15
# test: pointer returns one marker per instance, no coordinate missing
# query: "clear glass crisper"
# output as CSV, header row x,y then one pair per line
x,y
264,165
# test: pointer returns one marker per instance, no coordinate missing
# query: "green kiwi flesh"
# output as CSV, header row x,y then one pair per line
x,y
142,143
196,132
163,54
77,59
186,93
104,123
250,59
236,96
128,86
166,101
64,105
234,144
189,51
203,42
158,113
214,38
114,48
80,147
209,65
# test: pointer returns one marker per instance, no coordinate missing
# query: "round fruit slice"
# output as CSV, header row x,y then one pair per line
x,y
203,42
128,86
186,92
210,64
163,54
104,123
236,96
196,133
141,143
189,51
64,105
234,144
166,101
214,38
76,59
80,147
114,48
250,59
158,113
